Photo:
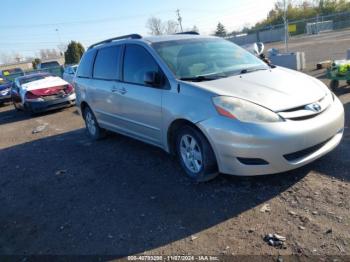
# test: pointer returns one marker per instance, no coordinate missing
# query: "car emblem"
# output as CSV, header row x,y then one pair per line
x,y
314,107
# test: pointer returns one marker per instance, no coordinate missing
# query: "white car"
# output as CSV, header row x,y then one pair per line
x,y
41,92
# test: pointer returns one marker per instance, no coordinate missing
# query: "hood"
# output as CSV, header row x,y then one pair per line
x,y
277,89
51,81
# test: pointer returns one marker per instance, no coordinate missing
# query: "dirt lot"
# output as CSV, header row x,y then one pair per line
x,y
63,194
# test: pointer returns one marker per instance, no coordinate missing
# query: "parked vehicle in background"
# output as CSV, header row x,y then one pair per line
x,y
41,92
52,67
48,65
69,72
11,74
216,106
5,90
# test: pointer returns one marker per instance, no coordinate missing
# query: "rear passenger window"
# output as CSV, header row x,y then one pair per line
x,y
85,66
107,63
137,62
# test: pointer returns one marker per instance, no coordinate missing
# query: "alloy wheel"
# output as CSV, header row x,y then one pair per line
x,y
191,153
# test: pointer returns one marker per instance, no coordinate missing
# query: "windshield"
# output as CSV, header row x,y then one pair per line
x,y
32,78
193,58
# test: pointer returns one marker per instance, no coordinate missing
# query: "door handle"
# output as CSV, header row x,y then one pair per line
x,y
114,90
121,91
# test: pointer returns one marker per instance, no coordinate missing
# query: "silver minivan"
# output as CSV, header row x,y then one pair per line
x,y
214,105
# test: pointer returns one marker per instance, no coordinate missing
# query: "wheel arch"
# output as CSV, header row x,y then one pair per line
x,y
175,126
83,106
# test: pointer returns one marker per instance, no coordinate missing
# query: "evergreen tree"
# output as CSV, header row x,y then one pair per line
x,y
220,30
74,52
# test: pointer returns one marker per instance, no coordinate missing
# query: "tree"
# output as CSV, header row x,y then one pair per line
x,y
35,62
63,48
74,52
195,29
155,26
298,10
220,30
171,27
45,54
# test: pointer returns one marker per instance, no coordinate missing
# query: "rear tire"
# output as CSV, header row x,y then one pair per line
x,y
92,128
195,155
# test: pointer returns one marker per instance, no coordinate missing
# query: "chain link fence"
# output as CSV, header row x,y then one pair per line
x,y
275,33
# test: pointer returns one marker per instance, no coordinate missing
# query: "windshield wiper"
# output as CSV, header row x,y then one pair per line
x,y
250,70
202,78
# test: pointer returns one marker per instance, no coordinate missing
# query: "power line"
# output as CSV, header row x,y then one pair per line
x,y
82,21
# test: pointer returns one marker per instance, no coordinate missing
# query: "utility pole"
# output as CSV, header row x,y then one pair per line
x,y
59,36
286,33
61,46
179,18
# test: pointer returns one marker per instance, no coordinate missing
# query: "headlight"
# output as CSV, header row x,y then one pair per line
x,y
243,110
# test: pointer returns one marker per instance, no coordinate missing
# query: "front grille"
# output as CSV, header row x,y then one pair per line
x,y
306,152
304,112
53,97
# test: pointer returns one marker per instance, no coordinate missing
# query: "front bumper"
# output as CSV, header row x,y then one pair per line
x,y
39,106
283,146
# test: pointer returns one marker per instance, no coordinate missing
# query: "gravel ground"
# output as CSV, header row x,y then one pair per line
x,y
317,48
64,194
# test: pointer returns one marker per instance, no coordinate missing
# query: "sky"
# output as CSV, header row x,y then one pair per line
x,y
30,25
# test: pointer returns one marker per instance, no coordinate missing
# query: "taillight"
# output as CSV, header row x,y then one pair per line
x,y
31,96
69,89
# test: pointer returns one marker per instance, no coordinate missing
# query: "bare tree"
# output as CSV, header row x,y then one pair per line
x,y
6,58
155,26
171,27
195,29
49,54
62,47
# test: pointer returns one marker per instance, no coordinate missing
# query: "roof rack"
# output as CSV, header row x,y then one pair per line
x,y
132,36
188,33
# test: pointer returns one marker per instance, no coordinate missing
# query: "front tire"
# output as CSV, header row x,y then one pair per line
x,y
15,106
92,128
195,155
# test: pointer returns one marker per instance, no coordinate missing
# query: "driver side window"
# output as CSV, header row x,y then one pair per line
x,y
137,61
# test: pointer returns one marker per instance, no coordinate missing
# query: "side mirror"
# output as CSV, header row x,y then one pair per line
x,y
259,48
152,79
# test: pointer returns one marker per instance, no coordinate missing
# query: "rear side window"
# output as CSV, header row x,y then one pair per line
x,y
107,63
137,61
85,66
